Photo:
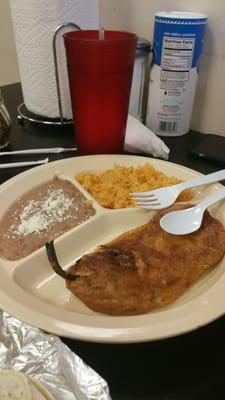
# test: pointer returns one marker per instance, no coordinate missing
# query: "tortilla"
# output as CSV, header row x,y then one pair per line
x,y
16,386
38,391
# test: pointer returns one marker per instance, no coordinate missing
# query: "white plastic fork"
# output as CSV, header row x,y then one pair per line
x,y
164,197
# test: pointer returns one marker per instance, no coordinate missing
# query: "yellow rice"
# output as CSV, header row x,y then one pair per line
x,y
111,187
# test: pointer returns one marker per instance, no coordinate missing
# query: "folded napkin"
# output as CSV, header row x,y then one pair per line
x,y
140,139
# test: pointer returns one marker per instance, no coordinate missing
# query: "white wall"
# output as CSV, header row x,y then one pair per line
x,y
137,16
8,61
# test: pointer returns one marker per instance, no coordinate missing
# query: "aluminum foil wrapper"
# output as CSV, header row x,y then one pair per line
x,y
46,358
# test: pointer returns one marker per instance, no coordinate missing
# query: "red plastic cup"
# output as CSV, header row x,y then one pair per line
x,y
100,76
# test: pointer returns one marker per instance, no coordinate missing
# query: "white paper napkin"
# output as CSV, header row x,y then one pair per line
x,y
140,139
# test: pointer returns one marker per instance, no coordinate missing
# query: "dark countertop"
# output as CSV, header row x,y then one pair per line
x,y
187,367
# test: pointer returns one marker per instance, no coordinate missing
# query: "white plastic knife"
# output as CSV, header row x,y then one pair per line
x,y
24,163
38,151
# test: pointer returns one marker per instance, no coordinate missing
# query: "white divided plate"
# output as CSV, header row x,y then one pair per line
x,y
32,292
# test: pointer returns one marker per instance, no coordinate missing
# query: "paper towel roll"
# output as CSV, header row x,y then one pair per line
x,y
35,22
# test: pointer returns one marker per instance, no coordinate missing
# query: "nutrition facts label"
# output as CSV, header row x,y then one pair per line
x,y
177,46
177,54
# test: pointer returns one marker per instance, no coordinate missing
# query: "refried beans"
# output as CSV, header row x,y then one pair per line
x,y
41,215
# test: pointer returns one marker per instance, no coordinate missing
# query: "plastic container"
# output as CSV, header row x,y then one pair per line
x,y
177,47
100,77
139,88
5,124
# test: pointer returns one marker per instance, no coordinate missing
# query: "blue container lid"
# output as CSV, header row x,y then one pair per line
x,y
181,17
